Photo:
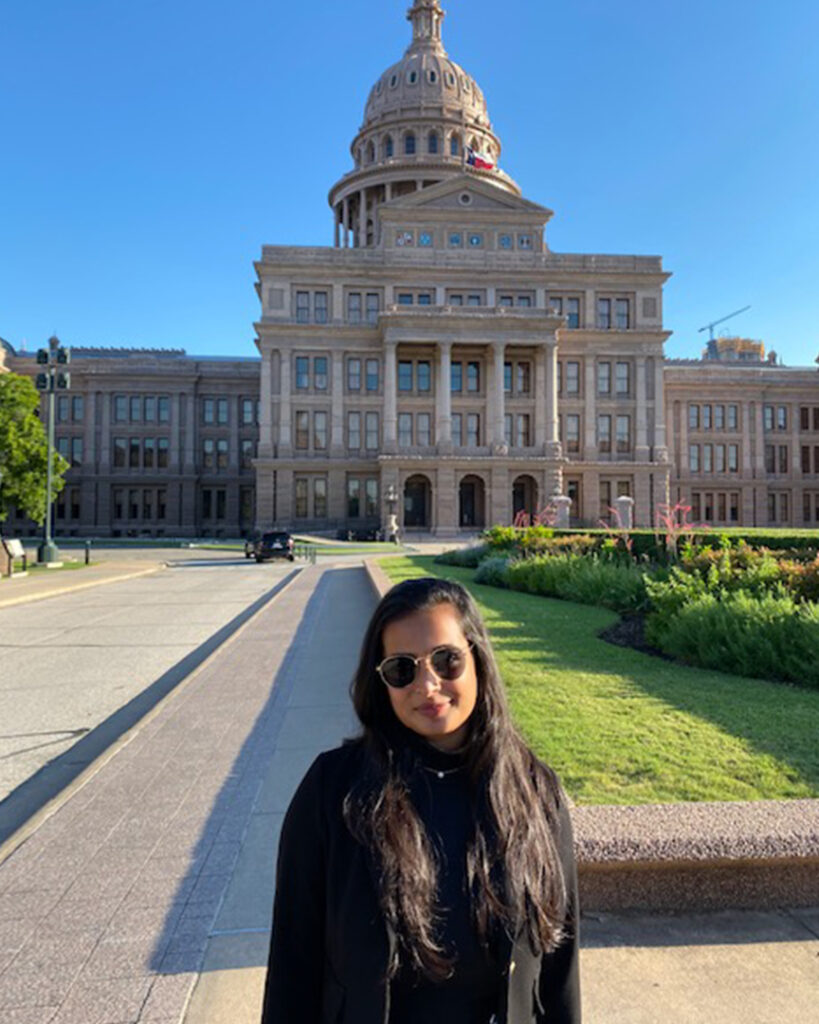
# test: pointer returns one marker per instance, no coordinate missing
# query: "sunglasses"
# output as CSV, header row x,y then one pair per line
x,y
446,661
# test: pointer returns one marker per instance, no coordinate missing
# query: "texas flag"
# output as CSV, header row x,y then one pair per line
x,y
479,160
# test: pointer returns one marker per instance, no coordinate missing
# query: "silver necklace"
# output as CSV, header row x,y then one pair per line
x,y
441,772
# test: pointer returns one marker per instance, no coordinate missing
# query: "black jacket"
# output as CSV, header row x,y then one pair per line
x,y
330,943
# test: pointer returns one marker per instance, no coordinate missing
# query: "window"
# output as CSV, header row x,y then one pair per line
x,y
248,453
719,456
409,144
719,417
770,458
457,429
76,451
423,430
354,307
354,430
805,458
404,375
424,298
320,430
248,412
508,421
782,417
164,408
389,148
302,373
694,458
136,408
432,143
208,449
373,304
454,149
423,376
320,497
222,453
63,448
706,417
721,507
693,417
320,307
524,378
120,409
405,298
782,461
473,377
572,378
425,239
147,504
133,453
162,452
603,378
623,433
119,499
320,373
475,241
573,432
222,411
300,489
707,458
621,311
149,409
353,498
604,314
733,418
208,411
504,241
768,417
568,306
456,240
148,450
303,430
372,375
371,497
404,429
77,409
372,431
456,375
522,438
816,417
621,378
353,374
507,378
133,504
524,241
473,429
604,433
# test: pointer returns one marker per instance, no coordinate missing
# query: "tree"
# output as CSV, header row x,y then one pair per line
x,y
24,451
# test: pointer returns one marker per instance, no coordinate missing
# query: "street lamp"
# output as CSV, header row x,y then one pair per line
x,y
392,521
51,379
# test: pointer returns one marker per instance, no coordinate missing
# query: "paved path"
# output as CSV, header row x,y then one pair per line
x,y
147,896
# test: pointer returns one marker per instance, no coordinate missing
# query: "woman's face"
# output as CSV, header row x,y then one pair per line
x,y
435,708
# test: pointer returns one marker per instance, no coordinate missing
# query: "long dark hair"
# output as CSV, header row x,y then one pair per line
x,y
513,869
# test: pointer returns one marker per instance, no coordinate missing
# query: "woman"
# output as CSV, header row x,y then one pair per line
x,y
426,871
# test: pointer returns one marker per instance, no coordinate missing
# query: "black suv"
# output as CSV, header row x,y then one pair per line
x,y
274,544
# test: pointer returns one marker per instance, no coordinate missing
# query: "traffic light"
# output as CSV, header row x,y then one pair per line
x,y
42,382
63,381
63,355
42,356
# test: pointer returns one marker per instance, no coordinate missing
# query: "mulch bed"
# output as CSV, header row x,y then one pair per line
x,y
629,631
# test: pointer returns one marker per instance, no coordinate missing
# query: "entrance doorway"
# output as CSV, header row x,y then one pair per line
x,y
524,497
471,503
575,511
417,503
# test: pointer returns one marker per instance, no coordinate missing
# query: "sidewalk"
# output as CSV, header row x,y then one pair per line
x,y
147,896
52,582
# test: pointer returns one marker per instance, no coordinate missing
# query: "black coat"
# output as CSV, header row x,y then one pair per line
x,y
330,943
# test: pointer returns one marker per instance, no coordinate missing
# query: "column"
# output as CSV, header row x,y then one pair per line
x,y
337,225
760,442
345,218
589,312
190,427
89,465
284,448
745,440
440,295
682,460
443,396
390,396
641,413
590,405
362,219
174,459
337,406
553,448
660,440
447,501
387,191
105,432
541,358
497,401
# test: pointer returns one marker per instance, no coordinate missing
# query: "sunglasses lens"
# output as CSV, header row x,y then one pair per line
x,y
448,662
398,671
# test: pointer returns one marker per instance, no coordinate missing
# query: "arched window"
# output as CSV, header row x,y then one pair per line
x,y
454,145
473,144
370,152
389,148
409,144
432,143
358,157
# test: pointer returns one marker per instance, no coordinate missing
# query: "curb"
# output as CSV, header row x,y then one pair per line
x,y
27,598
54,784
752,855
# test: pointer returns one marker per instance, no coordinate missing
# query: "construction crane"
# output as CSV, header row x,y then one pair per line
x,y
710,327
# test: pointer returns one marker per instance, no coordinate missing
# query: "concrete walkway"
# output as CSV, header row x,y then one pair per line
x,y
147,896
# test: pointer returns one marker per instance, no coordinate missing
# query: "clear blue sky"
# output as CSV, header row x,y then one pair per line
x,y
150,148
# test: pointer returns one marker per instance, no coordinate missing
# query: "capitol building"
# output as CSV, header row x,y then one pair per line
x,y
440,353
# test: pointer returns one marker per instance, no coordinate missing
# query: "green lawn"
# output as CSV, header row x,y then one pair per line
x,y
622,727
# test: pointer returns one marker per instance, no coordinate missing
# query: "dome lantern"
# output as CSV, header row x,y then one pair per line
x,y
426,17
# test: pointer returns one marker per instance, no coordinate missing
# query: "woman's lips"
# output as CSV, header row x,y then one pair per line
x,y
434,710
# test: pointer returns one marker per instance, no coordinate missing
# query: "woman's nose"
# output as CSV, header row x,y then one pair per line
x,y
427,679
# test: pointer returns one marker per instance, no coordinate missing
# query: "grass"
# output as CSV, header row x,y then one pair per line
x,y
622,727
34,568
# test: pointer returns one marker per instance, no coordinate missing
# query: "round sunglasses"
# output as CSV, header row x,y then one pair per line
x,y
447,662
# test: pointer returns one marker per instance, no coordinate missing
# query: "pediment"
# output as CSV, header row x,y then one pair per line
x,y
452,195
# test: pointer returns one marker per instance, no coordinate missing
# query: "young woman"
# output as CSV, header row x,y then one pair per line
x,y
426,871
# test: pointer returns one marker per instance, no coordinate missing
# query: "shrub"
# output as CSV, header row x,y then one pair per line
x,y
768,637
465,558
493,571
583,579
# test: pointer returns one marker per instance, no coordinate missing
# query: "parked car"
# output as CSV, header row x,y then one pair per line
x,y
250,544
274,544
